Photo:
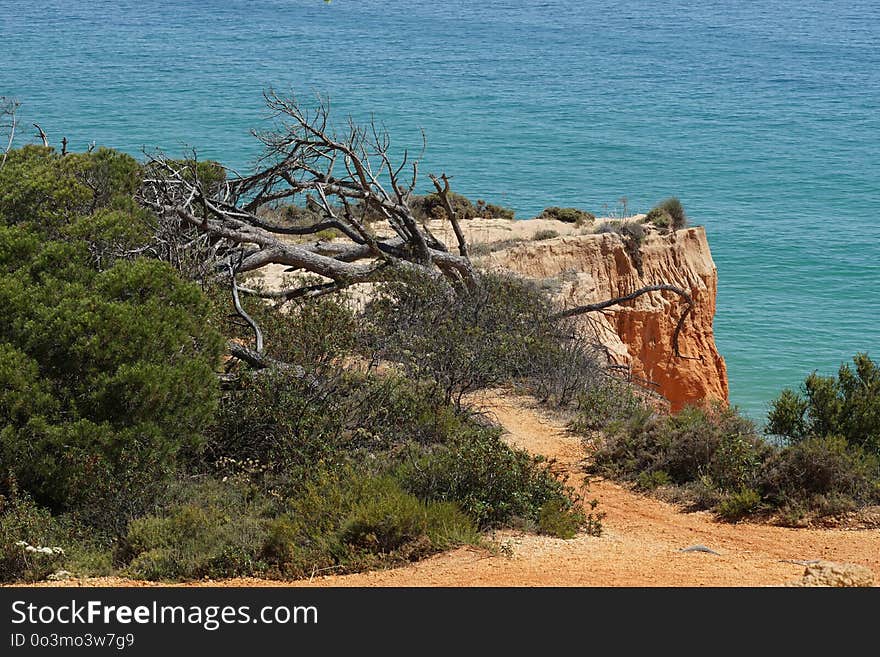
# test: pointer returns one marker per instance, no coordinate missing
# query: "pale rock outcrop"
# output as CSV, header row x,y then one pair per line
x,y
829,573
592,267
582,266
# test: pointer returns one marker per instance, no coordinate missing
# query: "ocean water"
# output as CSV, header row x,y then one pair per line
x,y
762,116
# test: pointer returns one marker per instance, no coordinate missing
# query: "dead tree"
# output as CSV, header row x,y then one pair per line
x,y
358,189
8,123
352,179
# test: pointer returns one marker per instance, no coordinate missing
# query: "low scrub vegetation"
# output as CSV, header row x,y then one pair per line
x,y
668,215
823,461
545,235
568,215
130,444
431,206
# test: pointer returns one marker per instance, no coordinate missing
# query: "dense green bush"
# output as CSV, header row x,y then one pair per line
x,y
605,403
79,401
545,235
819,470
464,340
211,530
390,519
568,215
430,207
716,447
316,336
492,481
43,190
848,406
106,364
281,420
675,210
28,538
660,218
716,459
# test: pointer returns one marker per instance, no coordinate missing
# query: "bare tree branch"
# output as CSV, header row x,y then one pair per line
x,y
42,135
8,122
597,307
338,173
258,334
443,193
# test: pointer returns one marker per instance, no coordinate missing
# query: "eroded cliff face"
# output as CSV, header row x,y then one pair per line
x,y
588,268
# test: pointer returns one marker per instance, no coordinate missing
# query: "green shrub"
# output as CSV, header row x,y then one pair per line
x,y
567,368
41,189
103,371
558,518
280,419
465,340
278,416
497,211
315,335
713,458
673,207
430,207
716,446
660,218
28,539
816,468
390,519
848,406
652,479
347,519
492,482
605,403
739,504
216,532
545,235
568,215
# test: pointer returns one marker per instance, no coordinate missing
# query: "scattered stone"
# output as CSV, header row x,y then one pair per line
x,y
829,573
59,576
699,548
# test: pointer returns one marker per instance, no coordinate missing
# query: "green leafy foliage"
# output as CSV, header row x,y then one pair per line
x,y
107,368
431,207
672,208
568,215
716,459
545,235
42,190
847,406
493,482
28,538
660,218
818,470
462,341
212,530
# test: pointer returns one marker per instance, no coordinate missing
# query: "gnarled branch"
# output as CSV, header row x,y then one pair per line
x,y
602,305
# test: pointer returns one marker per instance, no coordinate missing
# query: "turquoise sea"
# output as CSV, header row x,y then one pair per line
x,y
762,116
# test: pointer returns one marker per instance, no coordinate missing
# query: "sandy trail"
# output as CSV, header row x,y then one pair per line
x,y
642,539
641,544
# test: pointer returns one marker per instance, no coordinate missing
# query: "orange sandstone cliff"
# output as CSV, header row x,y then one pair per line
x,y
586,268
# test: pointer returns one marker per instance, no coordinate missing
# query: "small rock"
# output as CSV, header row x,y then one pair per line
x,y
829,573
59,576
699,548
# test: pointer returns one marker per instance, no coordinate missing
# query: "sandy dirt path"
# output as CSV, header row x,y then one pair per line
x,y
640,546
